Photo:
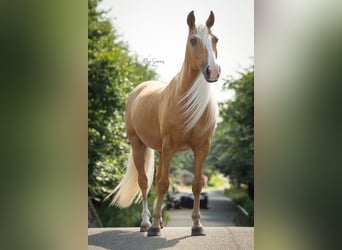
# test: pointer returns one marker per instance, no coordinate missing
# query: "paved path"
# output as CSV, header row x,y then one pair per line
x,y
171,238
221,212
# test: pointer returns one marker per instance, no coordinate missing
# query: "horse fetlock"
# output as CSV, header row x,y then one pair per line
x,y
144,227
157,221
146,220
161,223
195,215
146,214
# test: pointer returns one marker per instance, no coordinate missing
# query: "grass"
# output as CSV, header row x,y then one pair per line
x,y
112,216
217,181
240,197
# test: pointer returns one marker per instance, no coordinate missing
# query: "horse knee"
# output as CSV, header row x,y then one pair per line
x,y
196,187
143,182
163,186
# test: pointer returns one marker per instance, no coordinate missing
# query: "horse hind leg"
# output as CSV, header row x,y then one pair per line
x,y
157,222
158,176
139,153
162,183
145,224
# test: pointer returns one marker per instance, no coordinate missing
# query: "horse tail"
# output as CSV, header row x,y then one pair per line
x,y
128,189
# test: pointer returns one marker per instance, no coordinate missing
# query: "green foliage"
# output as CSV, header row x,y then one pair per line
x,y
112,73
241,197
183,160
249,207
216,180
233,143
123,217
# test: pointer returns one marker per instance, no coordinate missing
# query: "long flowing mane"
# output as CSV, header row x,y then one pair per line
x,y
194,103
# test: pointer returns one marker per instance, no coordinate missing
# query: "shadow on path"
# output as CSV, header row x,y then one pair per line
x,y
217,238
120,239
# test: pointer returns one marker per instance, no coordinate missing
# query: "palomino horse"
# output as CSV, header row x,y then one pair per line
x,y
171,118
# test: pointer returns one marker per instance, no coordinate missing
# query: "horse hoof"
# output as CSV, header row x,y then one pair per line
x,y
197,231
154,231
144,227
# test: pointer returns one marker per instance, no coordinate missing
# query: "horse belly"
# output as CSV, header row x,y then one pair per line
x,y
144,116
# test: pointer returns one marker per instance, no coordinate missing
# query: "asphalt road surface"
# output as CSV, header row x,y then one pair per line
x,y
221,212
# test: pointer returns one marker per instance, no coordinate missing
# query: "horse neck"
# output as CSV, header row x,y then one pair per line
x,y
186,77
190,94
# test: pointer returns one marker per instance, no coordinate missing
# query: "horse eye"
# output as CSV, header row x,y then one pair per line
x,y
193,41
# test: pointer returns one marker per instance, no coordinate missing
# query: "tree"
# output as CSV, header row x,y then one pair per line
x,y
112,74
233,144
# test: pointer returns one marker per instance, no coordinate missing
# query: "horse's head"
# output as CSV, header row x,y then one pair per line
x,y
201,48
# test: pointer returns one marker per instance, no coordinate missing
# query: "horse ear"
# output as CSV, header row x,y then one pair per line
x,y
191,20
211,20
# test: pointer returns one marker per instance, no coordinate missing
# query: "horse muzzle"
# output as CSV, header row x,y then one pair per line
x,y
212,73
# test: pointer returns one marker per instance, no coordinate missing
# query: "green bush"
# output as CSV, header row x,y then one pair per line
x,y
113,72
112,216
216,181
240,197
232,150
249,207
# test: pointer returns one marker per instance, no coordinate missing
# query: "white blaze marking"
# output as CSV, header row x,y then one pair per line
x,y
203,34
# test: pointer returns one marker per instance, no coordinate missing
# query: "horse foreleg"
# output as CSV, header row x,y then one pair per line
x,y
200,154
162,183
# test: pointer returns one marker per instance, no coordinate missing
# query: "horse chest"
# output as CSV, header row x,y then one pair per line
x,y
179,140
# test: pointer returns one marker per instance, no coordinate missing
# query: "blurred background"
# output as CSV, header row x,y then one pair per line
x,y
297,121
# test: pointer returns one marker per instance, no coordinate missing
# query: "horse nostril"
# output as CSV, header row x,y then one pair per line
x,y
208,72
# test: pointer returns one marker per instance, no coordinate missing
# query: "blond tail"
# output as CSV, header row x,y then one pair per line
x,y
128,189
